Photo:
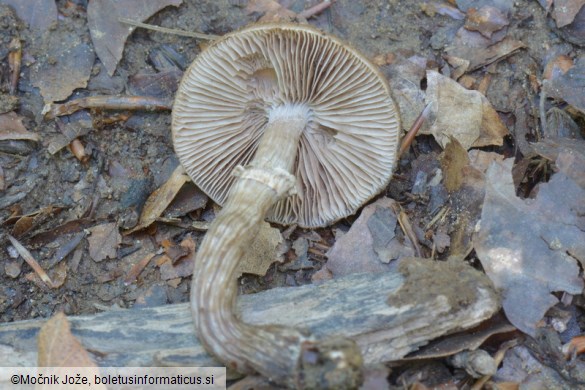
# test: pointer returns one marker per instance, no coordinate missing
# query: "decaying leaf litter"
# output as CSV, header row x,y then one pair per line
x,y
518,86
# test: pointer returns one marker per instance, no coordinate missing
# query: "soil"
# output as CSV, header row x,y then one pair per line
x,y
142,148
128,159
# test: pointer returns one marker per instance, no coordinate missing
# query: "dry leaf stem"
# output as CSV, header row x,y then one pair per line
x,y
189,34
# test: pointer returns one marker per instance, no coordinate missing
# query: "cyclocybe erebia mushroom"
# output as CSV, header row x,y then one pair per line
x,y
278,121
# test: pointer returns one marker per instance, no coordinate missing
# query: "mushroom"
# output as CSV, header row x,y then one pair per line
x,y
285,123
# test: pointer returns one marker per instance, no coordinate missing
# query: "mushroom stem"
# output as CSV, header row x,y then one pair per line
x,y
285,355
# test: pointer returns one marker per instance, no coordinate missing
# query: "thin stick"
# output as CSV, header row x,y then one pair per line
x,y
541,108
406,226
30,260
107,102
14,62
168,30
407,140
317,9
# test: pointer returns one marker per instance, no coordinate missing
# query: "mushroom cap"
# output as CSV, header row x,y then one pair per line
x,y
347,151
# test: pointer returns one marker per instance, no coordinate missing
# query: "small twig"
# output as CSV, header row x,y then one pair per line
x,y
145,103
14,62
2,181
30,260
66,248
168,30
406,227
317,9
541,107
437,217
316,252
409,137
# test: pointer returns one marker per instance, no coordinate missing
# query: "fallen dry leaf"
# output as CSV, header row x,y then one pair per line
x,y
175,251
468,340
493,129
564,11
59,348
370,244
68,133
468,198
69,227
480,50
59,274
188,199
134,263
176,268
529,248
262,252
181,269
103,241
572,164
162,85
575,32
26,223
557,66
66,69
65,248
465,115
11,128
160,199
569,86
460,66
559,124
38,14
137,268
457,110
495,53
23,225
481,160
108,34
453,159
406,75
486,20
568,155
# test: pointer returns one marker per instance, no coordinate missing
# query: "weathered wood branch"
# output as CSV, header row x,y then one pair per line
x,y
387,314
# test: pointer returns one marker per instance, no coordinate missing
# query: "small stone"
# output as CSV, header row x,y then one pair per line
x,y
12,252
12,268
